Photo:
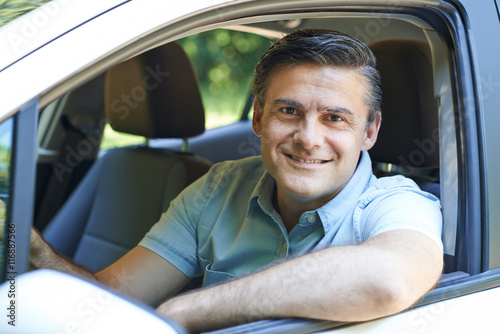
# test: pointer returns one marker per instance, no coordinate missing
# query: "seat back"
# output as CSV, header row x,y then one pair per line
x,y
408,142
155,95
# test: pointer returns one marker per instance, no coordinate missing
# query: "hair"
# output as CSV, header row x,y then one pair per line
x,y
322,48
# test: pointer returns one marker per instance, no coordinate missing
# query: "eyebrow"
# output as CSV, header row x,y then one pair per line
x,y
340,110
299,105
289,102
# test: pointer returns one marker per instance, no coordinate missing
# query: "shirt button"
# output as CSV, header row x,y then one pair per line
x,y
311,218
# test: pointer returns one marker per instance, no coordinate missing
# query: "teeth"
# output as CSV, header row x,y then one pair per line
x,y
306,161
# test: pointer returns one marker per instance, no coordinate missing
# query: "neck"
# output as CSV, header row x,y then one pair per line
x,y
291,208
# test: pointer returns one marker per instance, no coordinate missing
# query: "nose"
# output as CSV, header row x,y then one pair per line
x,y
309,134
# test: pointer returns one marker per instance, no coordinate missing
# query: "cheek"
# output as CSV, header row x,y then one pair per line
x,y
341,139
275,132
344,142
265,141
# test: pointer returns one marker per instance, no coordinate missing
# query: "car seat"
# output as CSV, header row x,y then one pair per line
x,y
155,95
408,141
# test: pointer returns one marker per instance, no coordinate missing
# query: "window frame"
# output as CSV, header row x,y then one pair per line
x,y
22,186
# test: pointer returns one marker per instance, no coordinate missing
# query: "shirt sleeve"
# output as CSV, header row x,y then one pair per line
x,y
405,209
174,236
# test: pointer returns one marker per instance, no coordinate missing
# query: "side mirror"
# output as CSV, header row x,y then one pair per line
x,y
47,301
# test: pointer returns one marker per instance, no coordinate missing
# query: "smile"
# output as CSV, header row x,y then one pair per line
x,y
307,161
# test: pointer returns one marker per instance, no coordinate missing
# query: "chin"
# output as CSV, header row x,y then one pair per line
x,y
306,193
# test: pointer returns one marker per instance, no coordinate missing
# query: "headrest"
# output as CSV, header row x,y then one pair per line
x,y
155,95
409,134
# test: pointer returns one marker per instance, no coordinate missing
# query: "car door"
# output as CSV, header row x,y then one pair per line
x,y
466,74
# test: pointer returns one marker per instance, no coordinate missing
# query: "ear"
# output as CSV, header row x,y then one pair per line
x,y
257,119
372,133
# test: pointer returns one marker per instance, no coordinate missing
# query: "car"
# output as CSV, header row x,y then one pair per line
x,y
69,71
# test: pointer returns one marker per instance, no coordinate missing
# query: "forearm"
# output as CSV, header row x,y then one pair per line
x,y
50,259
296,288
304,287
43,256
338,284
220,306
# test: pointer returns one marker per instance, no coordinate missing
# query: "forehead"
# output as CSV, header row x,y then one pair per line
x,y
313,83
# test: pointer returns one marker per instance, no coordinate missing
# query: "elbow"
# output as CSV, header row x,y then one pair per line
x,y
395,292
389,297
375,299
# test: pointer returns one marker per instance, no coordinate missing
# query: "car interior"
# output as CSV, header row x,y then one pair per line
x,y
129,188
94,205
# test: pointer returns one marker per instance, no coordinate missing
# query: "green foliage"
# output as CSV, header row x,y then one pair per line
x,y
4,170
11,9
224,61
224,58
5,160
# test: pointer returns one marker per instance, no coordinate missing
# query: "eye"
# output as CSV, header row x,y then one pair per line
x,y
289,111
335,118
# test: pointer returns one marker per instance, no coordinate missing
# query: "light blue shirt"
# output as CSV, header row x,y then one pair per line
x,y
224,225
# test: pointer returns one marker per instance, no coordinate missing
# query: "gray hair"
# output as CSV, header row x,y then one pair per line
x,y
323,48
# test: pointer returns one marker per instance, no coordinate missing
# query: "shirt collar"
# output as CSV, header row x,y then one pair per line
x,y
331,212
263,194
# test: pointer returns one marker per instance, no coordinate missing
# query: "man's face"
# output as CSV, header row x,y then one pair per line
x,y
313,127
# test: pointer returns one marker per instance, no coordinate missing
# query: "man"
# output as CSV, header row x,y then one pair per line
x,y
356,247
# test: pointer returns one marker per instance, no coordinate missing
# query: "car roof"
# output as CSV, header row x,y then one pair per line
x,y
44,24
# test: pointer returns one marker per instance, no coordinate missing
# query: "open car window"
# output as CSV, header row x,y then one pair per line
x,y
224,61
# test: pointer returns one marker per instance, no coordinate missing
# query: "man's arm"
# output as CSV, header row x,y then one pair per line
x,y
43,256
383,276
140,273
144,275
